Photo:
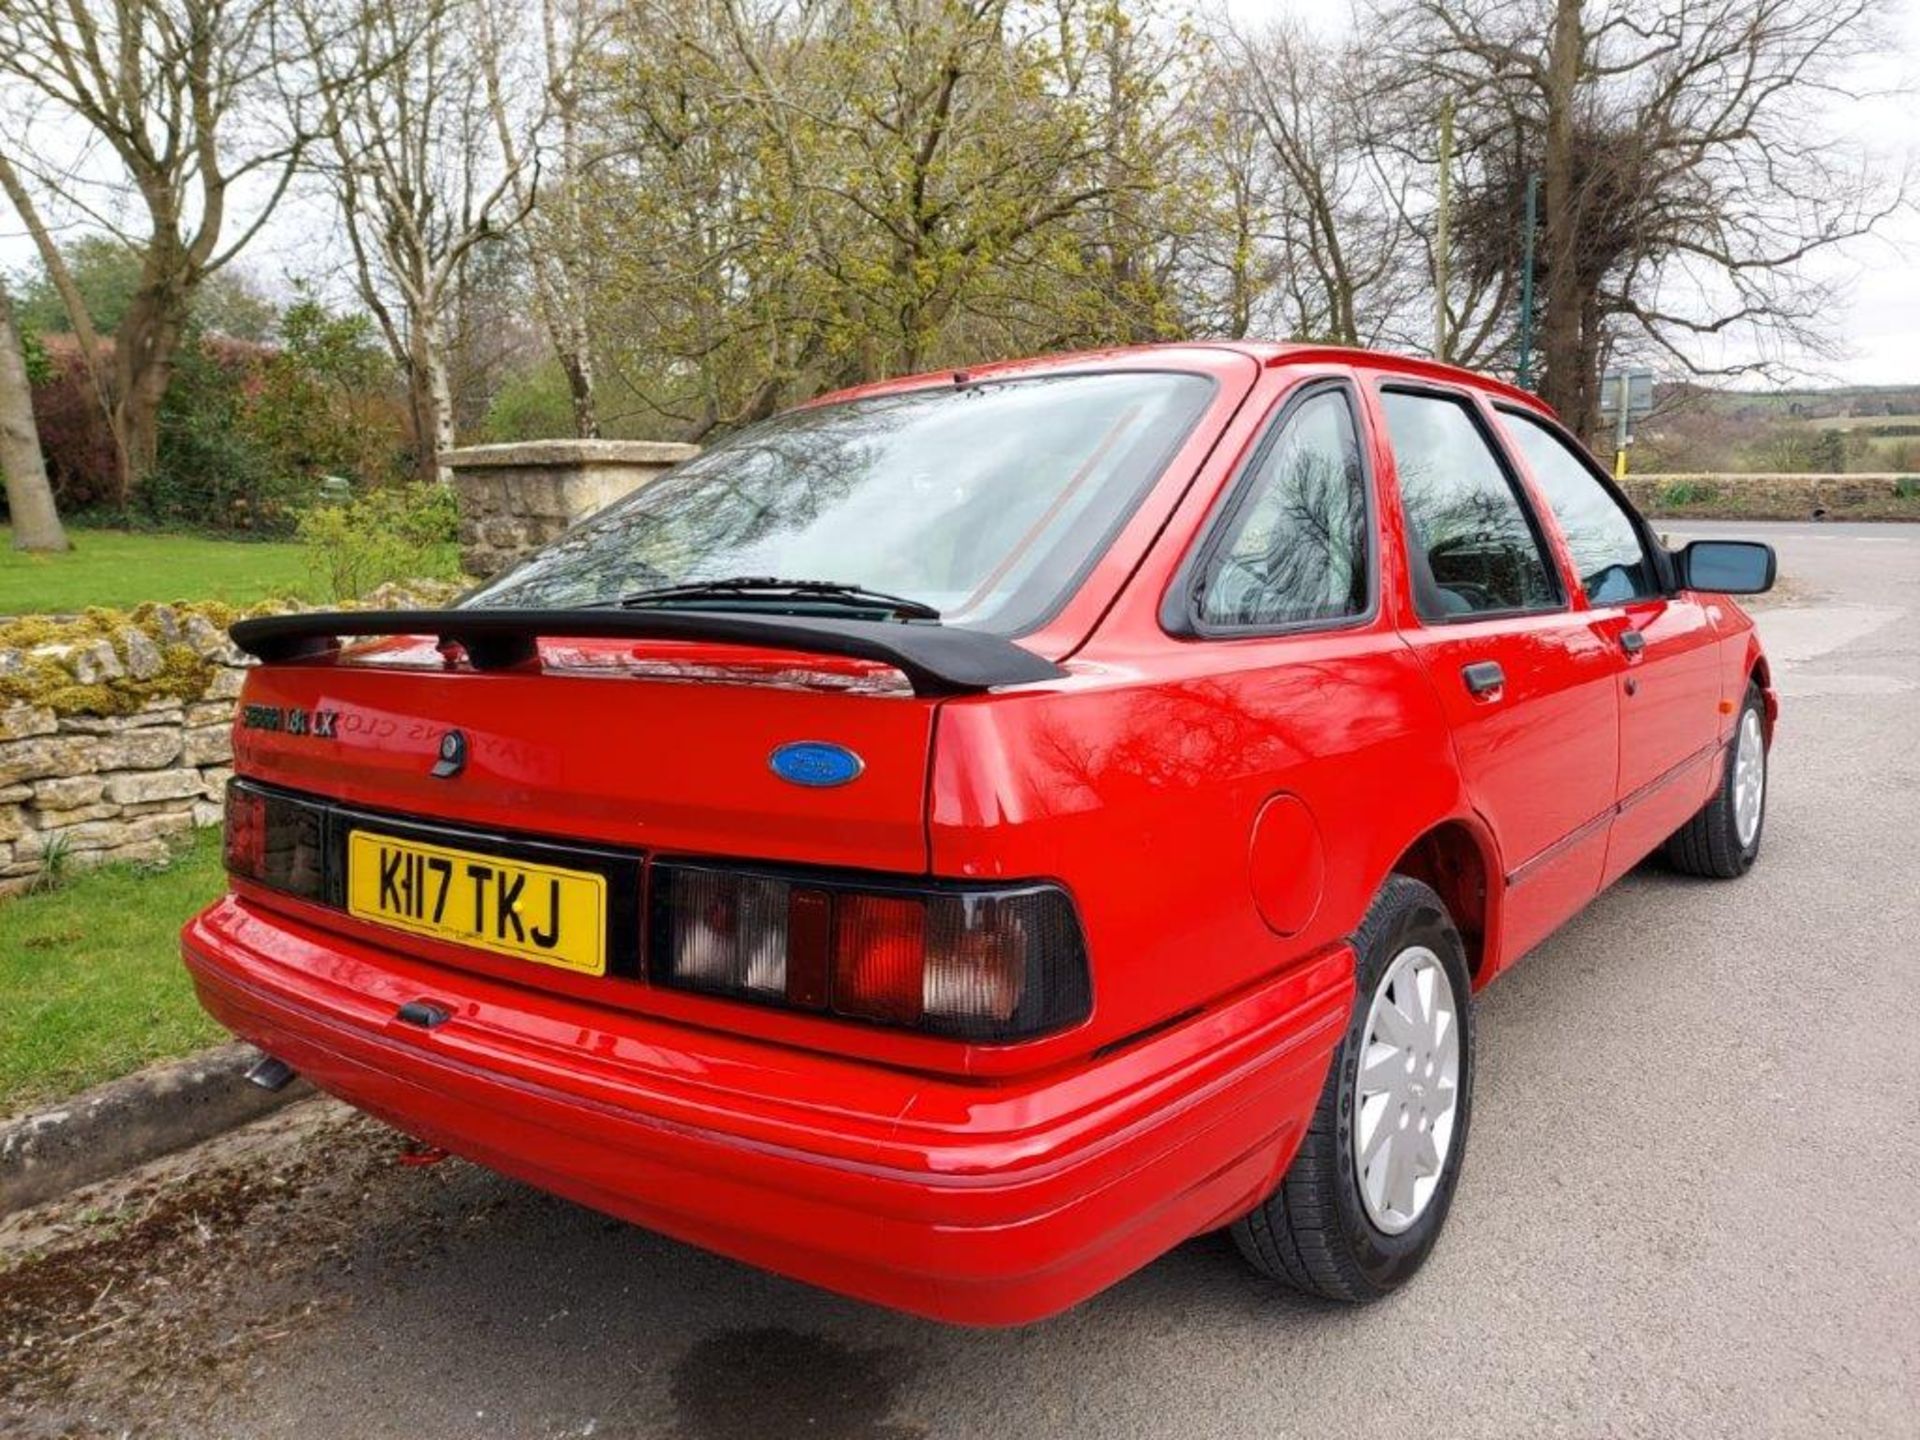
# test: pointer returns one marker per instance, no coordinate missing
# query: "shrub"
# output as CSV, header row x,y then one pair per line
x,y
74,435
533,404
246,430
1688,492
214,471
393,533
326,403
1907,487
1830,452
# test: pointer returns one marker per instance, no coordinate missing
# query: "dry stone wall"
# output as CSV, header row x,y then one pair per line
x,y
1862,496
116,732
78,790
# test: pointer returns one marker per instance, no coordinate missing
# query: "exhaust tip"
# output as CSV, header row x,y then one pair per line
x,y
270,1074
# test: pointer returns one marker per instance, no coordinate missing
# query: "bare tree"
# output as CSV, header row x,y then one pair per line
x,y
36,523
1340,248
1683,181
180,106
554,234
411,159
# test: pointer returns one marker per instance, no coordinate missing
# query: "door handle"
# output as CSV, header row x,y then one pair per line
x,y
1632,641
1484,678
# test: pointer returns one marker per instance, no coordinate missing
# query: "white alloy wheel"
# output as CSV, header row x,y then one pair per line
x,y
1749,777
1408,1083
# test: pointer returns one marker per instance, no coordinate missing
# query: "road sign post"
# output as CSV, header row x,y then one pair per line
x,y
1625,396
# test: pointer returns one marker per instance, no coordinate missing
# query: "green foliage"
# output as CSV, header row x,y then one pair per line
x,y
230,303
532,405
845,192
34,353
1907,487
1687,492
1789,450
394,533
248,431
91,984
104,271
56,854
1830,452
324,404
107,275
215,470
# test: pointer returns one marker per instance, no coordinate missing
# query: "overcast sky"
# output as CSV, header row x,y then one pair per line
x,y
1878,278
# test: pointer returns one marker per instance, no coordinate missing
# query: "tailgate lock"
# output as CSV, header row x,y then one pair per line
x,y
423,1013
453,755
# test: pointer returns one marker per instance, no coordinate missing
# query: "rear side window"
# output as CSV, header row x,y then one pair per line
x,y
1605,543
1294,548
1471,544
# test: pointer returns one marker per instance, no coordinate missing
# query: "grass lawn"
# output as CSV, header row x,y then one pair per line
x,y
121,568
91,984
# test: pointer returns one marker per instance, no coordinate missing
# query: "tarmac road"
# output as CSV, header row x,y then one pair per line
x,y
1691,1206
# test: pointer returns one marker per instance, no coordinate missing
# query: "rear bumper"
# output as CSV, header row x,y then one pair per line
x,y
979,1203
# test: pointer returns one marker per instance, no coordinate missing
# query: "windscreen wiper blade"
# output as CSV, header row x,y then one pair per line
x,y
770,590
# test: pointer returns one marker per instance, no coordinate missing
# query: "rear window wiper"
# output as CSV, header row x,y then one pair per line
x,y
770,590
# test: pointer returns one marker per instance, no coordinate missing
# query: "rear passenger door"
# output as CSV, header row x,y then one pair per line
x,y
1670,725
1526,683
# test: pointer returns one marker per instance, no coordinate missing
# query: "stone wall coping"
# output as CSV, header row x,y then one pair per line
x,y
532,453
1798,477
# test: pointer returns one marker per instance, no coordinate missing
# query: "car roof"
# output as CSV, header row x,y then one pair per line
x,y
1206,355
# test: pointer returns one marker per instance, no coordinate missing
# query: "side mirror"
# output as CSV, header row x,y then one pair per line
x,y
1727,567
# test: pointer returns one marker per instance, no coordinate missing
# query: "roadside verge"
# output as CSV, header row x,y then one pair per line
x,y
1729,496
46,1152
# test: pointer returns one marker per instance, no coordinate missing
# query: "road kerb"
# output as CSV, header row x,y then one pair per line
x,y
47,1152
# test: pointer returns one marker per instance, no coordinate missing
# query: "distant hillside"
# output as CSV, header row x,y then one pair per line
x,y
1850,402
1843,429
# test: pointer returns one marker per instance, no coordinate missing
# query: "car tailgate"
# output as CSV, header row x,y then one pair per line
x,y
655,747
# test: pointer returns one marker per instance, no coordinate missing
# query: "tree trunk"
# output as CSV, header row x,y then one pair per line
x,y
1562,384
36,523
579,368
432,397
55,264
143,353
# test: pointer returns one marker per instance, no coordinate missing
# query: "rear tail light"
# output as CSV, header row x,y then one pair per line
x,y
1003,963
275,840
732,932
880,957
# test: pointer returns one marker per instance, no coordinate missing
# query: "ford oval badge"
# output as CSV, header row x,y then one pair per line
x,y
815,763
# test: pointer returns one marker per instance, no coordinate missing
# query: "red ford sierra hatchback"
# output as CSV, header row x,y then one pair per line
x,y
954,841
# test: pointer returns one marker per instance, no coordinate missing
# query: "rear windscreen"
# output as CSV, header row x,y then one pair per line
x,y
987,501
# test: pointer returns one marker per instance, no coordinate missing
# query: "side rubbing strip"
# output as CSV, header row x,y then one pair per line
x,y
1531,867
936,659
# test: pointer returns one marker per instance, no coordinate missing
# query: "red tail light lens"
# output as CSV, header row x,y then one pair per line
x,y
1003,963
275,840
245,837
879,957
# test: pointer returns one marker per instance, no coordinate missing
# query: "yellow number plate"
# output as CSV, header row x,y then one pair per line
x,y
536,912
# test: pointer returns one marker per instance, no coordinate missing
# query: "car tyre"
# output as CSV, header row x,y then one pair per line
x,y
1723,840
1334,1226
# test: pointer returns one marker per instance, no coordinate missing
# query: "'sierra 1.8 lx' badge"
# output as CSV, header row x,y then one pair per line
x,y
292,720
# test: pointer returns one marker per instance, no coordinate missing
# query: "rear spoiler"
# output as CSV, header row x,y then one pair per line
x,y
937,660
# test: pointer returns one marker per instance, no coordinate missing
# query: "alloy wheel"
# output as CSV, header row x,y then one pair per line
x,y
1407,1089
1749,778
